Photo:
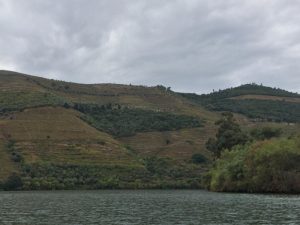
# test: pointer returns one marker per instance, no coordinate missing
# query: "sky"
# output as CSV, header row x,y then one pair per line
x,y
188,45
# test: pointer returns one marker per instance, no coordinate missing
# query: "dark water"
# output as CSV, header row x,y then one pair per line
x,y
146,207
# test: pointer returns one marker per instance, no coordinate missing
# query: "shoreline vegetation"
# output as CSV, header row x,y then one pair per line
x,y
262,162
71,177
270,166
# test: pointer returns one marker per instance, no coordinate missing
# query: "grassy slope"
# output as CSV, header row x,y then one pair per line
x,y
153,98
179,145
58,135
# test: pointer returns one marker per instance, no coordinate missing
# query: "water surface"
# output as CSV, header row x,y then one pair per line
x,y
144,207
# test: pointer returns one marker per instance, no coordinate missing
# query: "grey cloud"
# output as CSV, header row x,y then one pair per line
x,y
190,45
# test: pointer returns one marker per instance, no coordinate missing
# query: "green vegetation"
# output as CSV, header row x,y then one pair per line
x,y
198,158
259,162
268,166
246,89
157,173
15,155
265,133
278,111
229,134
58,176
270,109
156,165
12,101
13,183
120,121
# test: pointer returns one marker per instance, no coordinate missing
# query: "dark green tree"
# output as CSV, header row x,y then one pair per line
x,y
229,134
13,182
265,133
198,158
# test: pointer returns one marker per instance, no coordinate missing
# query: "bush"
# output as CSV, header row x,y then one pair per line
x,y
13,182
155,165
265,133
16,157
10,145
198,158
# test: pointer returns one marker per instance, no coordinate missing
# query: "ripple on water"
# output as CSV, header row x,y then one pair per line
x,y
146,207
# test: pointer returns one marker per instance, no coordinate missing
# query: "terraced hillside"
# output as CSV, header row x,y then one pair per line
x,y
49,129
254,101
179,145
30,91
57,134
63,135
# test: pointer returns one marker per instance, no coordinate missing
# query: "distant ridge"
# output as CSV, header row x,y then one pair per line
x,y
254,101
248,89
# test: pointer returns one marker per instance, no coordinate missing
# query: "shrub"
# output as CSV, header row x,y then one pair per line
x,y
11,145
13,182
155,165
265,133
198,158
16,157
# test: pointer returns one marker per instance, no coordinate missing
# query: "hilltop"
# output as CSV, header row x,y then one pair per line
x,y
254,101
63,135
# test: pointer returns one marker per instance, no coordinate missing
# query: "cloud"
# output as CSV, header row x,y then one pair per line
x,y
190,45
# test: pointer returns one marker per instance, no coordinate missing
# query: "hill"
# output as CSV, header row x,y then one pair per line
x,y
254,101
63,135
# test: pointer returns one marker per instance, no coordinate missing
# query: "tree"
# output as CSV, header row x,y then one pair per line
x,y
66,105
198,158
265,133
229,134
13,182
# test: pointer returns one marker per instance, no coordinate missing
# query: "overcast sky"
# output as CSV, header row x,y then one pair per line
x,y
190,45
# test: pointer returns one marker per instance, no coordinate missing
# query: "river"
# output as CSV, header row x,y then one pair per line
x,y
143,207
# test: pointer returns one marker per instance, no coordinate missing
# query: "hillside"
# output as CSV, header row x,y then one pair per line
x,y
23,91
64,135
254,101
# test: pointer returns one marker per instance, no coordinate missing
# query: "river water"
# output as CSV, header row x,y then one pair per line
x,y
143,207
